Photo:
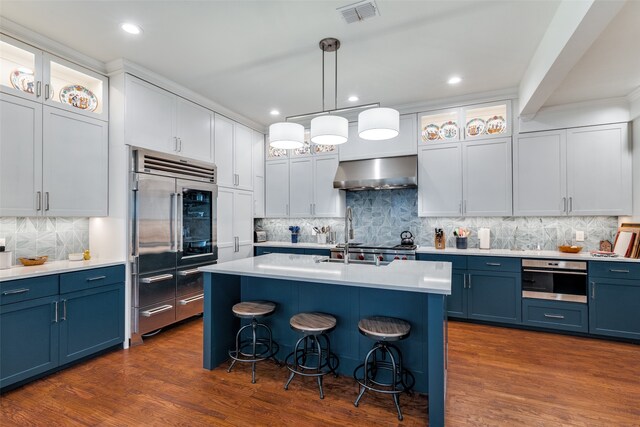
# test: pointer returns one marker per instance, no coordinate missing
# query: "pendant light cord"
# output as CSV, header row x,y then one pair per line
x,y
335,100
322,80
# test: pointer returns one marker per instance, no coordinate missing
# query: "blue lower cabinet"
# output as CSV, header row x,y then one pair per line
x,y
614,307
320,252
567,316
494,296
457,301
28,339
91,320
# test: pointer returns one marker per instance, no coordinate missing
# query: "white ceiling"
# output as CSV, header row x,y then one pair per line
x,y
252,56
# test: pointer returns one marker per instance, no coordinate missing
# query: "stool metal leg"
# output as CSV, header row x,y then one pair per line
x,y
233,361
295,355
366,374
319,349
394,381
253,347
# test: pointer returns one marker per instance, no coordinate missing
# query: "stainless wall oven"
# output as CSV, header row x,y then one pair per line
x,y
173,223
554,280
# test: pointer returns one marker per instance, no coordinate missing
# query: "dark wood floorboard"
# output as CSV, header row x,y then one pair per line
x,y
497,377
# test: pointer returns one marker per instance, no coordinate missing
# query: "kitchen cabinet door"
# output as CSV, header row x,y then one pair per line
x,y
90,320
243,217
242,157
69,138
599,170
440,180
16,56
20,156
457,301
258,153
540,174
402,145
149,116
224,150
277,188
613,307
28,338
329,202
301,187
226,241
194,130
258,197
494,296
486,177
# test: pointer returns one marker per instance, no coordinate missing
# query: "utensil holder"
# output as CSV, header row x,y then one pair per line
x,y
322,238
333,237
5,260
439,242
294,237
461,242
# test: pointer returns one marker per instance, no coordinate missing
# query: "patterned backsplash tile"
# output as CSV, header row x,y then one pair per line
x,y
55,237
380,216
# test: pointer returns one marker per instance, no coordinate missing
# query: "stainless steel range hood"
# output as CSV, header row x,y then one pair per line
x,y
383,173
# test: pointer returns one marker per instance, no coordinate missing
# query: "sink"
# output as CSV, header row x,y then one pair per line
x,y
352,261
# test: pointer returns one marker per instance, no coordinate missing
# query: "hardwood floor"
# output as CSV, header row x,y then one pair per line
x,y
496,377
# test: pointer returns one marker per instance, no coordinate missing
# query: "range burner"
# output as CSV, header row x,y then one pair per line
x,y
405,247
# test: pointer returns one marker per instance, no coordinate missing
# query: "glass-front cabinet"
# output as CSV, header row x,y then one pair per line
x,y
472,122
32,74
198,218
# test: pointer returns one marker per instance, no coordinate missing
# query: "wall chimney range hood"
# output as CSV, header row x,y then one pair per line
x,y
377,174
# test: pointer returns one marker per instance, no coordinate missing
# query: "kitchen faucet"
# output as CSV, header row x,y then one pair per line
x,y
348,232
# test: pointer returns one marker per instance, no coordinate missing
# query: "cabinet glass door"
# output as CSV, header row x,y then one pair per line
x,y
198,213
439,126
20,69
487,121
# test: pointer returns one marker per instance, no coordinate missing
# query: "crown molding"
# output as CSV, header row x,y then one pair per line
x,y
44,43
123,65
458,101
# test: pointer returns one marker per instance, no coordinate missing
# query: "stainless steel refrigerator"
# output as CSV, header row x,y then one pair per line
x,y
173,232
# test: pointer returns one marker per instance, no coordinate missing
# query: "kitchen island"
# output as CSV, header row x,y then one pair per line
x,y
411,290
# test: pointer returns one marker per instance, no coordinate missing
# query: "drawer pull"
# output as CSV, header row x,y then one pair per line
x,y
91,279
554,316
188,272
493,264
156,278
16,291
192,299
615,270
155,311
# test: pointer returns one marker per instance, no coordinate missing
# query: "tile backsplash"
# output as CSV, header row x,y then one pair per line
x,y
55,237
380,216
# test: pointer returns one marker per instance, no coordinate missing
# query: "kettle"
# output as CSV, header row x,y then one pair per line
x,y
407,238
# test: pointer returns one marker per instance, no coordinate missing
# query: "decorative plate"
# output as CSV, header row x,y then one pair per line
x,y
319,149
22,79
430,132
304,150
449,130
79,97
476,127
496,124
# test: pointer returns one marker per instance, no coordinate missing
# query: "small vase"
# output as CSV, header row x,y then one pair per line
x,y
461,242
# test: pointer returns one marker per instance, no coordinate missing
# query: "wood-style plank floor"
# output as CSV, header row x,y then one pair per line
x,y
497,377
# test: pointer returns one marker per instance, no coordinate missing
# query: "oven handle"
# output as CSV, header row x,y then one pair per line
x,y
577,273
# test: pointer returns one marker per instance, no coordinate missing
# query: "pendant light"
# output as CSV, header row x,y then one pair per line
x,y
286,135
376,124
329,129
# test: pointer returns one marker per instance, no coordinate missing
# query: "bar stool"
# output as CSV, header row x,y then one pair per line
x,y
257,348
309,349
398,379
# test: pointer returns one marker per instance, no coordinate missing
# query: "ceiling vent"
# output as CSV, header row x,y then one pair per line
x,y
359,11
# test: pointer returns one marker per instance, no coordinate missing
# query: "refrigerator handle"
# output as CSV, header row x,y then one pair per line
x,y
180,219
172,222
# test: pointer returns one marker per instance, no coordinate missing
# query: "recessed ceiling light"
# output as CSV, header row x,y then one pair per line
x,y
353,98
274,112
454,80
131,28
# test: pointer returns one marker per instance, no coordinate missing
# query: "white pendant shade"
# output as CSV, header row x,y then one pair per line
x,y
329,130
285,135
377,124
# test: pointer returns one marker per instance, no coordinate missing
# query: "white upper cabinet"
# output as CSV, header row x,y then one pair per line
x,y
301,187
440,126
258,174
486,177
402,145
440,180
162,121
277,188
599,170
233,153
20,156
540,174
226,238
32,74
328,201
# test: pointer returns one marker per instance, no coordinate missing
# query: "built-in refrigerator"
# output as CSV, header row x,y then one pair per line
x,y
173,232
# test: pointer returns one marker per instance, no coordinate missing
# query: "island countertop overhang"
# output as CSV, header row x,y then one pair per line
x,y
401,275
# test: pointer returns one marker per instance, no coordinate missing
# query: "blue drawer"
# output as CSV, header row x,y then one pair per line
x,y
494,263
27,289
566,316
86,279
615,269
459,261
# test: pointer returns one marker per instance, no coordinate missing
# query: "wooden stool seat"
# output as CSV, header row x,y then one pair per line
x,y
312,323
384,328
251,309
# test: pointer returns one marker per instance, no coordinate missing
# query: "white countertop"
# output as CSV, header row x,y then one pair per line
x,y
413,276
296,245
53,267
581,256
